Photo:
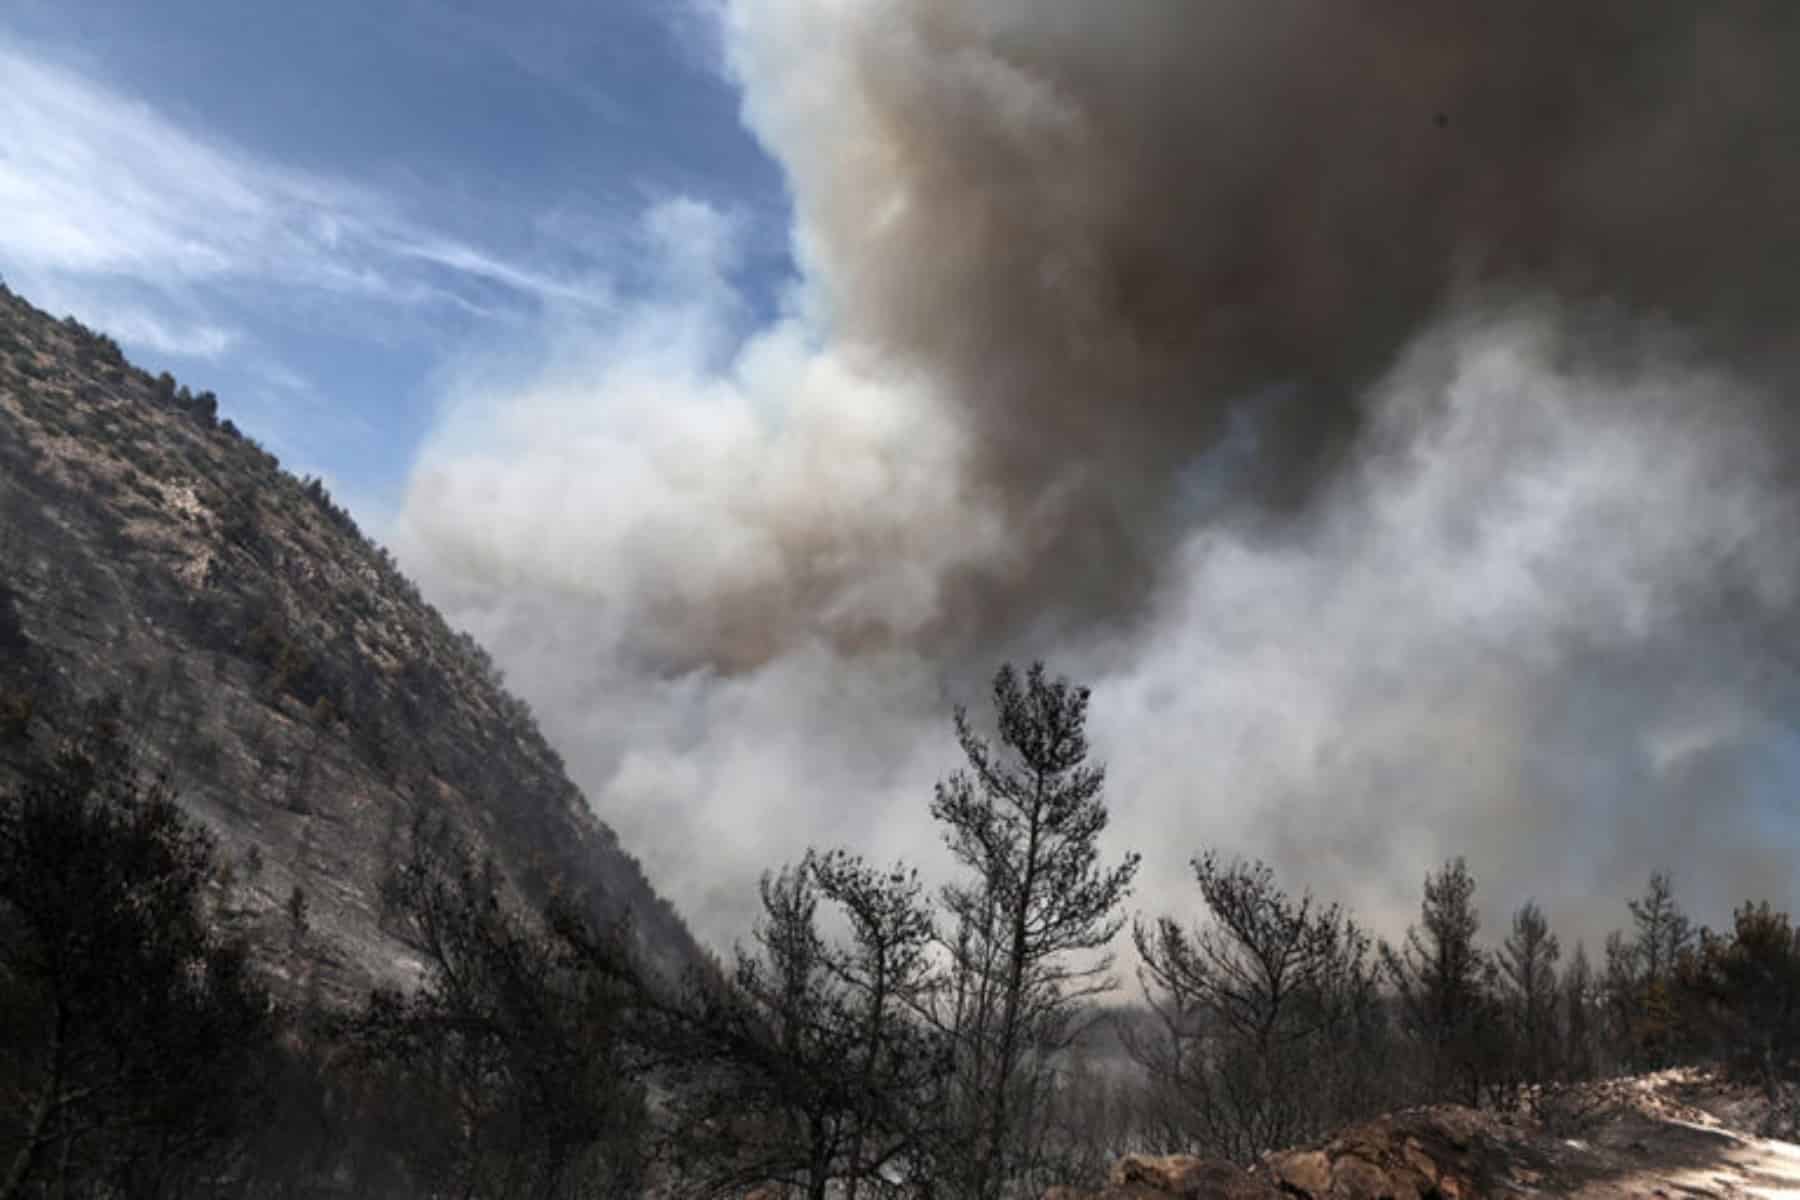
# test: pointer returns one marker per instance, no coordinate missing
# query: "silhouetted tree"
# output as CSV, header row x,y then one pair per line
x,y
1580,1055
1441,979
1749,985
511,1039
802,1092
133,1035
1663,930
1528,969
886,973
1664,934
807,1067
1024,820
1620,1001
1260,1006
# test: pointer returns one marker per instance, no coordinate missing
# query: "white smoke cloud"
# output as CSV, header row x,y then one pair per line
x,y
1022,399
1517,632
624,528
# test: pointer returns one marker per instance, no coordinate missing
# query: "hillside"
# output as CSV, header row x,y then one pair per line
x,y
305,701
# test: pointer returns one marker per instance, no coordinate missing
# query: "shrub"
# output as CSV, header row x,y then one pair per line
x,y
102,880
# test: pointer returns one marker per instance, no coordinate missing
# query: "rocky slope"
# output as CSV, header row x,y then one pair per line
x,y
1677,1133
305,701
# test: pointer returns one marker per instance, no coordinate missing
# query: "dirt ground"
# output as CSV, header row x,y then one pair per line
x,y
1673,1135
1683,1133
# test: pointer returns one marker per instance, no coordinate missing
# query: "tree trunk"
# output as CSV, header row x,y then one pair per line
x,y
41,1112
992,1180
818,1176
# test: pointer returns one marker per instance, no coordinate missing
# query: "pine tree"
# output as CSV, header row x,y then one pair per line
x,y
1664,934
1270,990
886,973
1579,1058
1441,978
806,1067
1528,967
1024,820
1619,988
1663,930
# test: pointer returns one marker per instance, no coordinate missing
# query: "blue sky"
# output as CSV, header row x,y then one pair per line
x,y
313,209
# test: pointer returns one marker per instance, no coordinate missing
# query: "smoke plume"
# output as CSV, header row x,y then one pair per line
x,y
1384,405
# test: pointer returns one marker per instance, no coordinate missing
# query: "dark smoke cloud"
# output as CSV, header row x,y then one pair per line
x,y
1098,228
1385,404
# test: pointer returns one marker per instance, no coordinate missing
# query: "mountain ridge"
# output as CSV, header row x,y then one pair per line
x,y
306,702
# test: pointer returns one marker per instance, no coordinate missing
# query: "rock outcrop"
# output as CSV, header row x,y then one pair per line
x,y
1139,1175
1449,1152
1445,1153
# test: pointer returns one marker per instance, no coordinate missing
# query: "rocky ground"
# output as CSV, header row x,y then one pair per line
x,y
1673,1134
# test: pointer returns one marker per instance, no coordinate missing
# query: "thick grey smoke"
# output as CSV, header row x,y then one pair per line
x,y
1383,404
1098,228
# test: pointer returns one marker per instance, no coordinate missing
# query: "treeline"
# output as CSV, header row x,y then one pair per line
x,y
873,1038
1279,1018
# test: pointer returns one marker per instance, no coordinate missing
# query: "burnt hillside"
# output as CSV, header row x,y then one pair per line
x,y
307,704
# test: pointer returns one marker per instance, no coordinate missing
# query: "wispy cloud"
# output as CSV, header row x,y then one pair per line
x,y
204,341
467,260
169,328
284,379
101,192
